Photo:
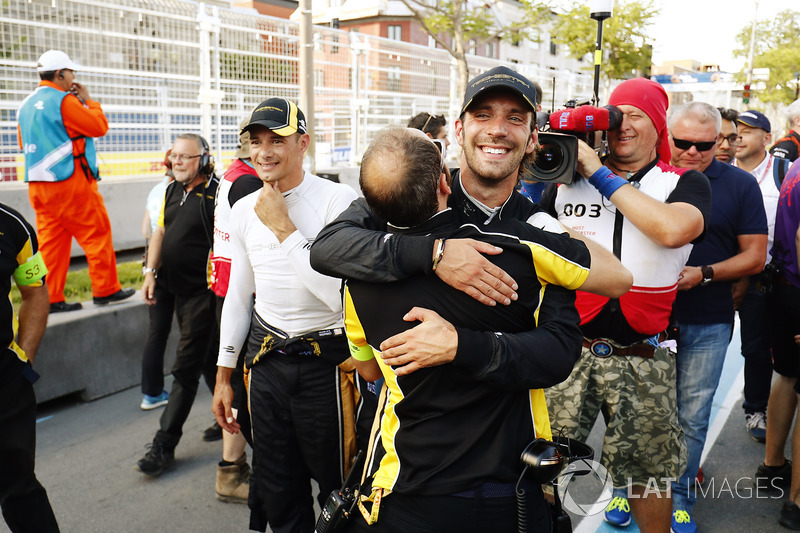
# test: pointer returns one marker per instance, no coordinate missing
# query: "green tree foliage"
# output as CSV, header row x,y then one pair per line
x,y
626,50
777,47
454,24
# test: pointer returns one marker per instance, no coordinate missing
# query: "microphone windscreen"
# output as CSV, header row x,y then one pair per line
x,y
586,118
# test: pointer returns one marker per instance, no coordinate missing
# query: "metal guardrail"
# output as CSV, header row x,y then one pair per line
x,y
162,67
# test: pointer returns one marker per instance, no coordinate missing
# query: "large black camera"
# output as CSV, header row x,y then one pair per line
x,y
556,156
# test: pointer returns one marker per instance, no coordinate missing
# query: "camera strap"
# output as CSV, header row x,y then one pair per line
x,y
376,494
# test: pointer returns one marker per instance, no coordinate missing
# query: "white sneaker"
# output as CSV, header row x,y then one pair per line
x,y
756,425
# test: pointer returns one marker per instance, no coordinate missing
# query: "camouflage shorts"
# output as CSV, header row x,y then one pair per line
x,y
643,441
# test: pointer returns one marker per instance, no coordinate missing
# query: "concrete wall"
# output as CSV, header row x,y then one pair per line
x,y
95,351
125,205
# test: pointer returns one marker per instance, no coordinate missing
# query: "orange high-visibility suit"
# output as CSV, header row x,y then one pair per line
x,y
75,208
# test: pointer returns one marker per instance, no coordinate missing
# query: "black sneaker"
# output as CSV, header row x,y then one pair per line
x,y
212,433
117,296
62,307
790,516
774,477
157,459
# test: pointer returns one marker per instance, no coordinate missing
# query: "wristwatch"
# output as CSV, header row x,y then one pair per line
x,y
145,270
708,275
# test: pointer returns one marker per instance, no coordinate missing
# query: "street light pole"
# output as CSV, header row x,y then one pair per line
x,y
752,45
307,75
599,10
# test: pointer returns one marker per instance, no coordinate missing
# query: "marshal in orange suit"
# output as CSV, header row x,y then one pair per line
x,y
57,123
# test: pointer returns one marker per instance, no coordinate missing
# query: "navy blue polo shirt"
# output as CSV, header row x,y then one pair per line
x,y
737,208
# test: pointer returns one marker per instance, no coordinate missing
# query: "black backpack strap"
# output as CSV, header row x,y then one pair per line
x,y
779,170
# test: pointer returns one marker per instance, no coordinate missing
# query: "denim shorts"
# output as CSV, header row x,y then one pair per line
x,y
644,442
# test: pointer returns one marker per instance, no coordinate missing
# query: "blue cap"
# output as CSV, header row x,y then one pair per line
x,y
754,119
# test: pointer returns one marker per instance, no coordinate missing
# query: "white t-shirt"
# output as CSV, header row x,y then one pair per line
x,y
290,295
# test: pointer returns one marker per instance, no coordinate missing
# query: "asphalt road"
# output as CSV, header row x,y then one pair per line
x,y
86,453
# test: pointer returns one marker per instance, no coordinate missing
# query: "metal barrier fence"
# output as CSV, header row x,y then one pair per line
x,y
163,67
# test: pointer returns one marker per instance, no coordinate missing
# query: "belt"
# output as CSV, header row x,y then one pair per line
x,y
603,348
322,334
488,490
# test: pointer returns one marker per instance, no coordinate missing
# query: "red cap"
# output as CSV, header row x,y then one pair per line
x,y
651,98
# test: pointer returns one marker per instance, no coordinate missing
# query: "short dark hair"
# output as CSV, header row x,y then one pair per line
x,y
49,75
538,92
407,195
427,123
728,114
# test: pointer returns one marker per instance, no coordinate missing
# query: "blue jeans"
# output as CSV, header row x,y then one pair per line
x,y
701,353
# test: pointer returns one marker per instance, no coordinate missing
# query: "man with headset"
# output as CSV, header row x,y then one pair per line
x,y
179,255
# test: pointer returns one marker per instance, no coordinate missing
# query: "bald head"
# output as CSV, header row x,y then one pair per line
x,y
400,176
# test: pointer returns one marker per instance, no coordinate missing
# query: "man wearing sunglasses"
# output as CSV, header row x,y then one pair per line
x,y
735,246
649,214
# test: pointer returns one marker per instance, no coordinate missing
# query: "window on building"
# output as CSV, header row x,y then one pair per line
x,y
395,32
490,50
394,79
553,48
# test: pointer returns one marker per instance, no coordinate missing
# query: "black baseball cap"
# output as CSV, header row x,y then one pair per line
x,y
500,77
278,114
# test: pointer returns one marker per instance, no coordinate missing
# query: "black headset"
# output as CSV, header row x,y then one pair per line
x,y
206,166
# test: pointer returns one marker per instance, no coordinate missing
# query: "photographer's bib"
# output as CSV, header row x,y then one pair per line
x,y
648,304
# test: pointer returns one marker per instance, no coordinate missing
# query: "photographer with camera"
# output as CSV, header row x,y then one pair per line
x,y
648,214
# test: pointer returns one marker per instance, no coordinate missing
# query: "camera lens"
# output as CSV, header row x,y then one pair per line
x,y
549,157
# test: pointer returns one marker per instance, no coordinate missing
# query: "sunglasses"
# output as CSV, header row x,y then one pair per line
x,y
702,146
430,116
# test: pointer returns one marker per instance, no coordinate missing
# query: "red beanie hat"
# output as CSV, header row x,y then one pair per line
x,y
651,98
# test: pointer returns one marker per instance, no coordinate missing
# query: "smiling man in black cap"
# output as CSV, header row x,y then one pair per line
x,y
294,327
497,132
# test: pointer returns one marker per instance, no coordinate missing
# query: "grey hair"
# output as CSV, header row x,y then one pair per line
x,y
701,111
793,110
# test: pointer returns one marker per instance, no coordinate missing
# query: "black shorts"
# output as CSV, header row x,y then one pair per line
x,y
784,324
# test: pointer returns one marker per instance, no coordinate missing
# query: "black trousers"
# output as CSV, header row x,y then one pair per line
x,y
402,513
784,322
23,500
294,405
754,319
160,315
196,356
